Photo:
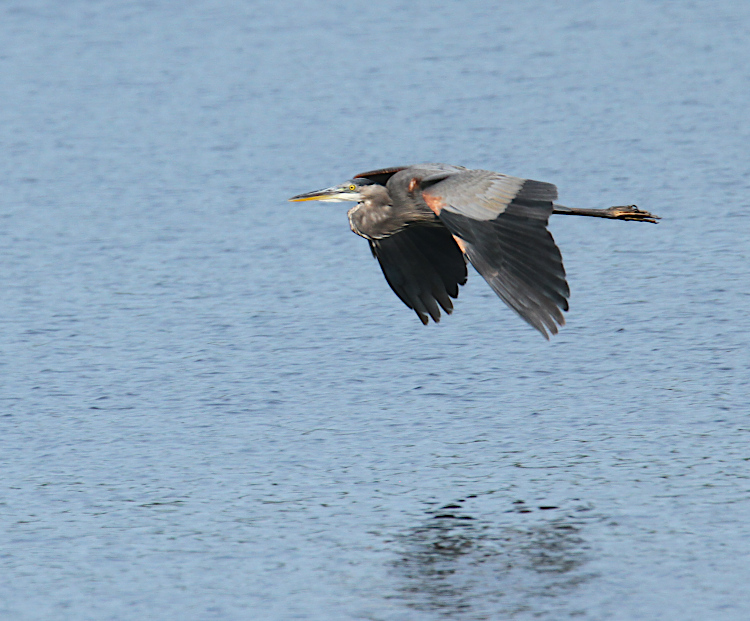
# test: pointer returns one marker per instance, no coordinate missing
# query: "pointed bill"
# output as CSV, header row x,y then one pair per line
x,y
335,194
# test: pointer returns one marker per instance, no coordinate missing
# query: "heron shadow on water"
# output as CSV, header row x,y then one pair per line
x,y
424,223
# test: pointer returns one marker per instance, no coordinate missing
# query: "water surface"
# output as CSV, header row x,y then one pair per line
x,y
212,405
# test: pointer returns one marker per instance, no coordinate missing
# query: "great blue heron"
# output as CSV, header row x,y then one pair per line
x,y
424,222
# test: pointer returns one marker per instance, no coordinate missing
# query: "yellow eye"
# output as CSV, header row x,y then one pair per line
x,y
352,187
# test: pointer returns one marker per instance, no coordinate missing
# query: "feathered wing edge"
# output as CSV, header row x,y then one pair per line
x,y
424,266
517,256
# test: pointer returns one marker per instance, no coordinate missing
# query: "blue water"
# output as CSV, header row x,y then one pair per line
x,y
213,407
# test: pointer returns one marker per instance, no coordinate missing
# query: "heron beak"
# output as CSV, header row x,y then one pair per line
x,y
335,194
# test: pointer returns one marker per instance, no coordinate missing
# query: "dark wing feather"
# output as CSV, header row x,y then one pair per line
x,y
381,175
424,267
502,221
517,256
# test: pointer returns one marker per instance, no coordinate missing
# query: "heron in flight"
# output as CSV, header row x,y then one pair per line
x,y
425,222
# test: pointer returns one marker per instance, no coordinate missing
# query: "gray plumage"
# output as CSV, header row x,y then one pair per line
x,y
424,222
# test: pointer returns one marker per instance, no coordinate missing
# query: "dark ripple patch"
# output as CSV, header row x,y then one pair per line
x,y
461,566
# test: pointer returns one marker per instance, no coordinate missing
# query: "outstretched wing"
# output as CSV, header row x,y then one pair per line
x,y
500,223
424,266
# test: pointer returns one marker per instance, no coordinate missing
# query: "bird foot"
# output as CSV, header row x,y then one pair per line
x,y
631,212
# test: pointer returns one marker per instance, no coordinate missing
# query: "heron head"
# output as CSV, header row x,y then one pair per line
x,y
348,191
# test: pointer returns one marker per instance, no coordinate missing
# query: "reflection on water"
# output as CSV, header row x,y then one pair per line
x,y
456,565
